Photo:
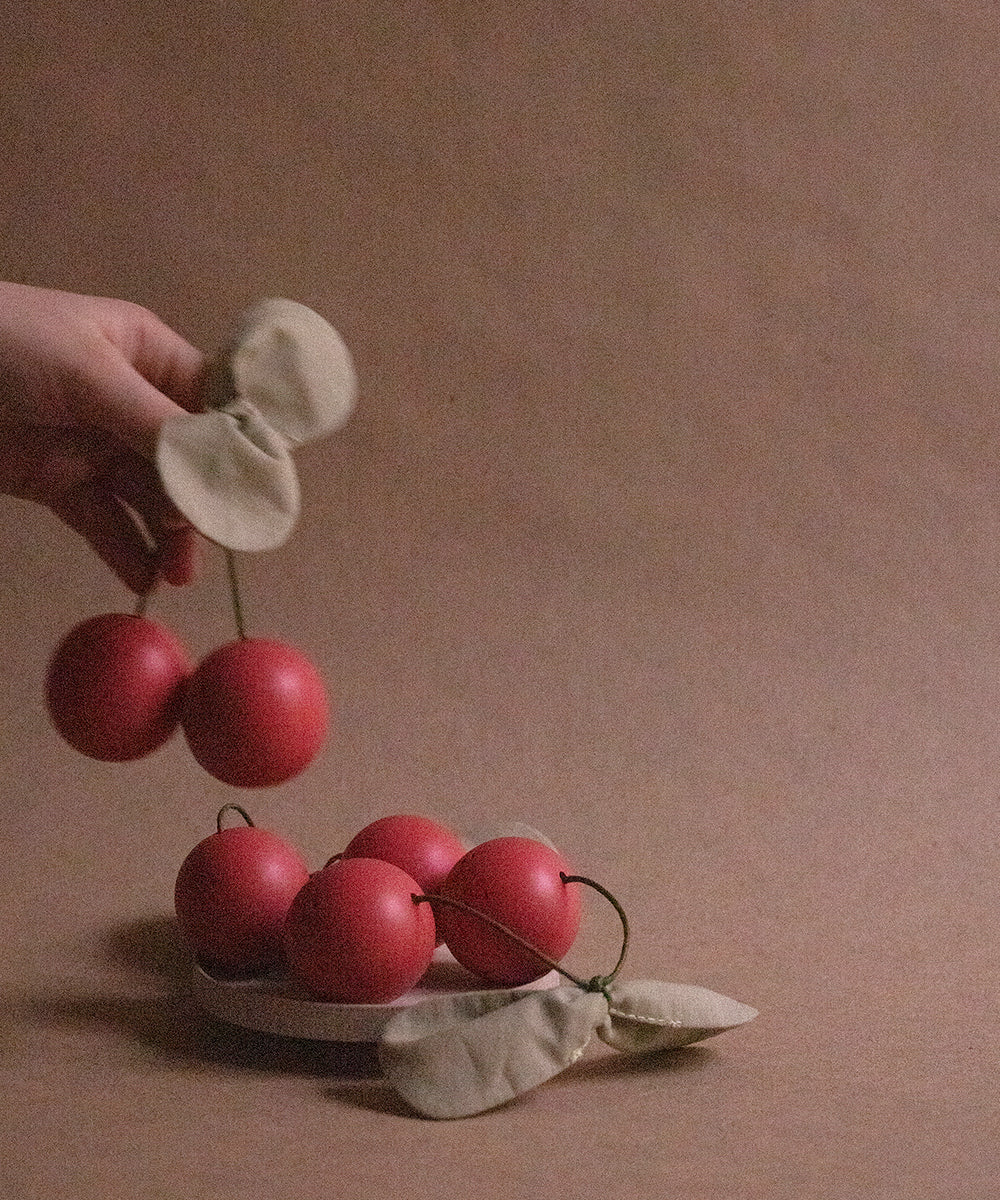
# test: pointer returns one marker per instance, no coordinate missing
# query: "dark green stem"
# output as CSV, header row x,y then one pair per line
x,y
232,808
142,600
613,901
599,983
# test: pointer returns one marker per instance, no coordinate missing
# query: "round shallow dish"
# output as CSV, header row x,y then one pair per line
x,y
273,1004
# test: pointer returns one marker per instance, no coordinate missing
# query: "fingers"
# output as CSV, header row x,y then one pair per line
x,y
134,373
134,481
161,356
93,380
178,557
110,527
152,374
110,496
127,405
96,515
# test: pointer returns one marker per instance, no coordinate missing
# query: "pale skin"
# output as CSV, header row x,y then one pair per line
x,y
85,385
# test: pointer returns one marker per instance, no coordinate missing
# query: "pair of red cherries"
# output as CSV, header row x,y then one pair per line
x,y
254,711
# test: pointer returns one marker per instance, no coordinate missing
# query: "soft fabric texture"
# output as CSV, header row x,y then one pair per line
x,y
458,1056
285,378
646,1015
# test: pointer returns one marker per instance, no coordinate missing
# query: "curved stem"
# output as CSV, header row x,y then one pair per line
x,y
143,598
618,909
599,983
234,808
234,593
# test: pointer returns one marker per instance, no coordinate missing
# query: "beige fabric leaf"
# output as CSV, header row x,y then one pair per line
x,y
646,1015
293,367
285,378
457,1056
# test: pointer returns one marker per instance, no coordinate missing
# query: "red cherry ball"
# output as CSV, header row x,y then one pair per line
x,y
417,845
354,933
518,882
114,686
232,895
255,713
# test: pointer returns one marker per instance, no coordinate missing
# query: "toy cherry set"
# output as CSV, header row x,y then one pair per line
x,y
448,956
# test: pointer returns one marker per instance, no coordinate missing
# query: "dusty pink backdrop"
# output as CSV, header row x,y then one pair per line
x,y
667,524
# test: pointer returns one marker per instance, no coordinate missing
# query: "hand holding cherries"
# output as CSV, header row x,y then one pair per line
x,y
362,930
254,712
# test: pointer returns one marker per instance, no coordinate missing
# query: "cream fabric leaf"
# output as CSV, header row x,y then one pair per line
x,y
285,378
293,367
457,1056
646,1015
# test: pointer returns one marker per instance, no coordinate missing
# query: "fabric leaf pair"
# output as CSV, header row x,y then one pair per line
x,y
458,1056
285,378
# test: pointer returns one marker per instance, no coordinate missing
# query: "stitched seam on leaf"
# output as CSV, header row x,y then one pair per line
x,y
620,1012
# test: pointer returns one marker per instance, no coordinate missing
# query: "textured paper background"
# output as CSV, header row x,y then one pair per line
x,y
667,523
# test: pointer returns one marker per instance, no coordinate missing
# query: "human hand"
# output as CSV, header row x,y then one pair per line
x,y
85,385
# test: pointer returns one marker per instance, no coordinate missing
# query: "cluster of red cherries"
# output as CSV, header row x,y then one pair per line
x,y
363,929
254,711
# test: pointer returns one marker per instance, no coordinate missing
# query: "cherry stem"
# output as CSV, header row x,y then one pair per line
x,y
234,592
616,905
599,983
232,808
143,598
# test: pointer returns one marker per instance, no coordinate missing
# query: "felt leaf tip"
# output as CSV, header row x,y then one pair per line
x,y
646,1016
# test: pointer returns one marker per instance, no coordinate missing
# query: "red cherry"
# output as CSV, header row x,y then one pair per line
x,y
114,686
255,713
355,935
419,846
518,882
232,895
